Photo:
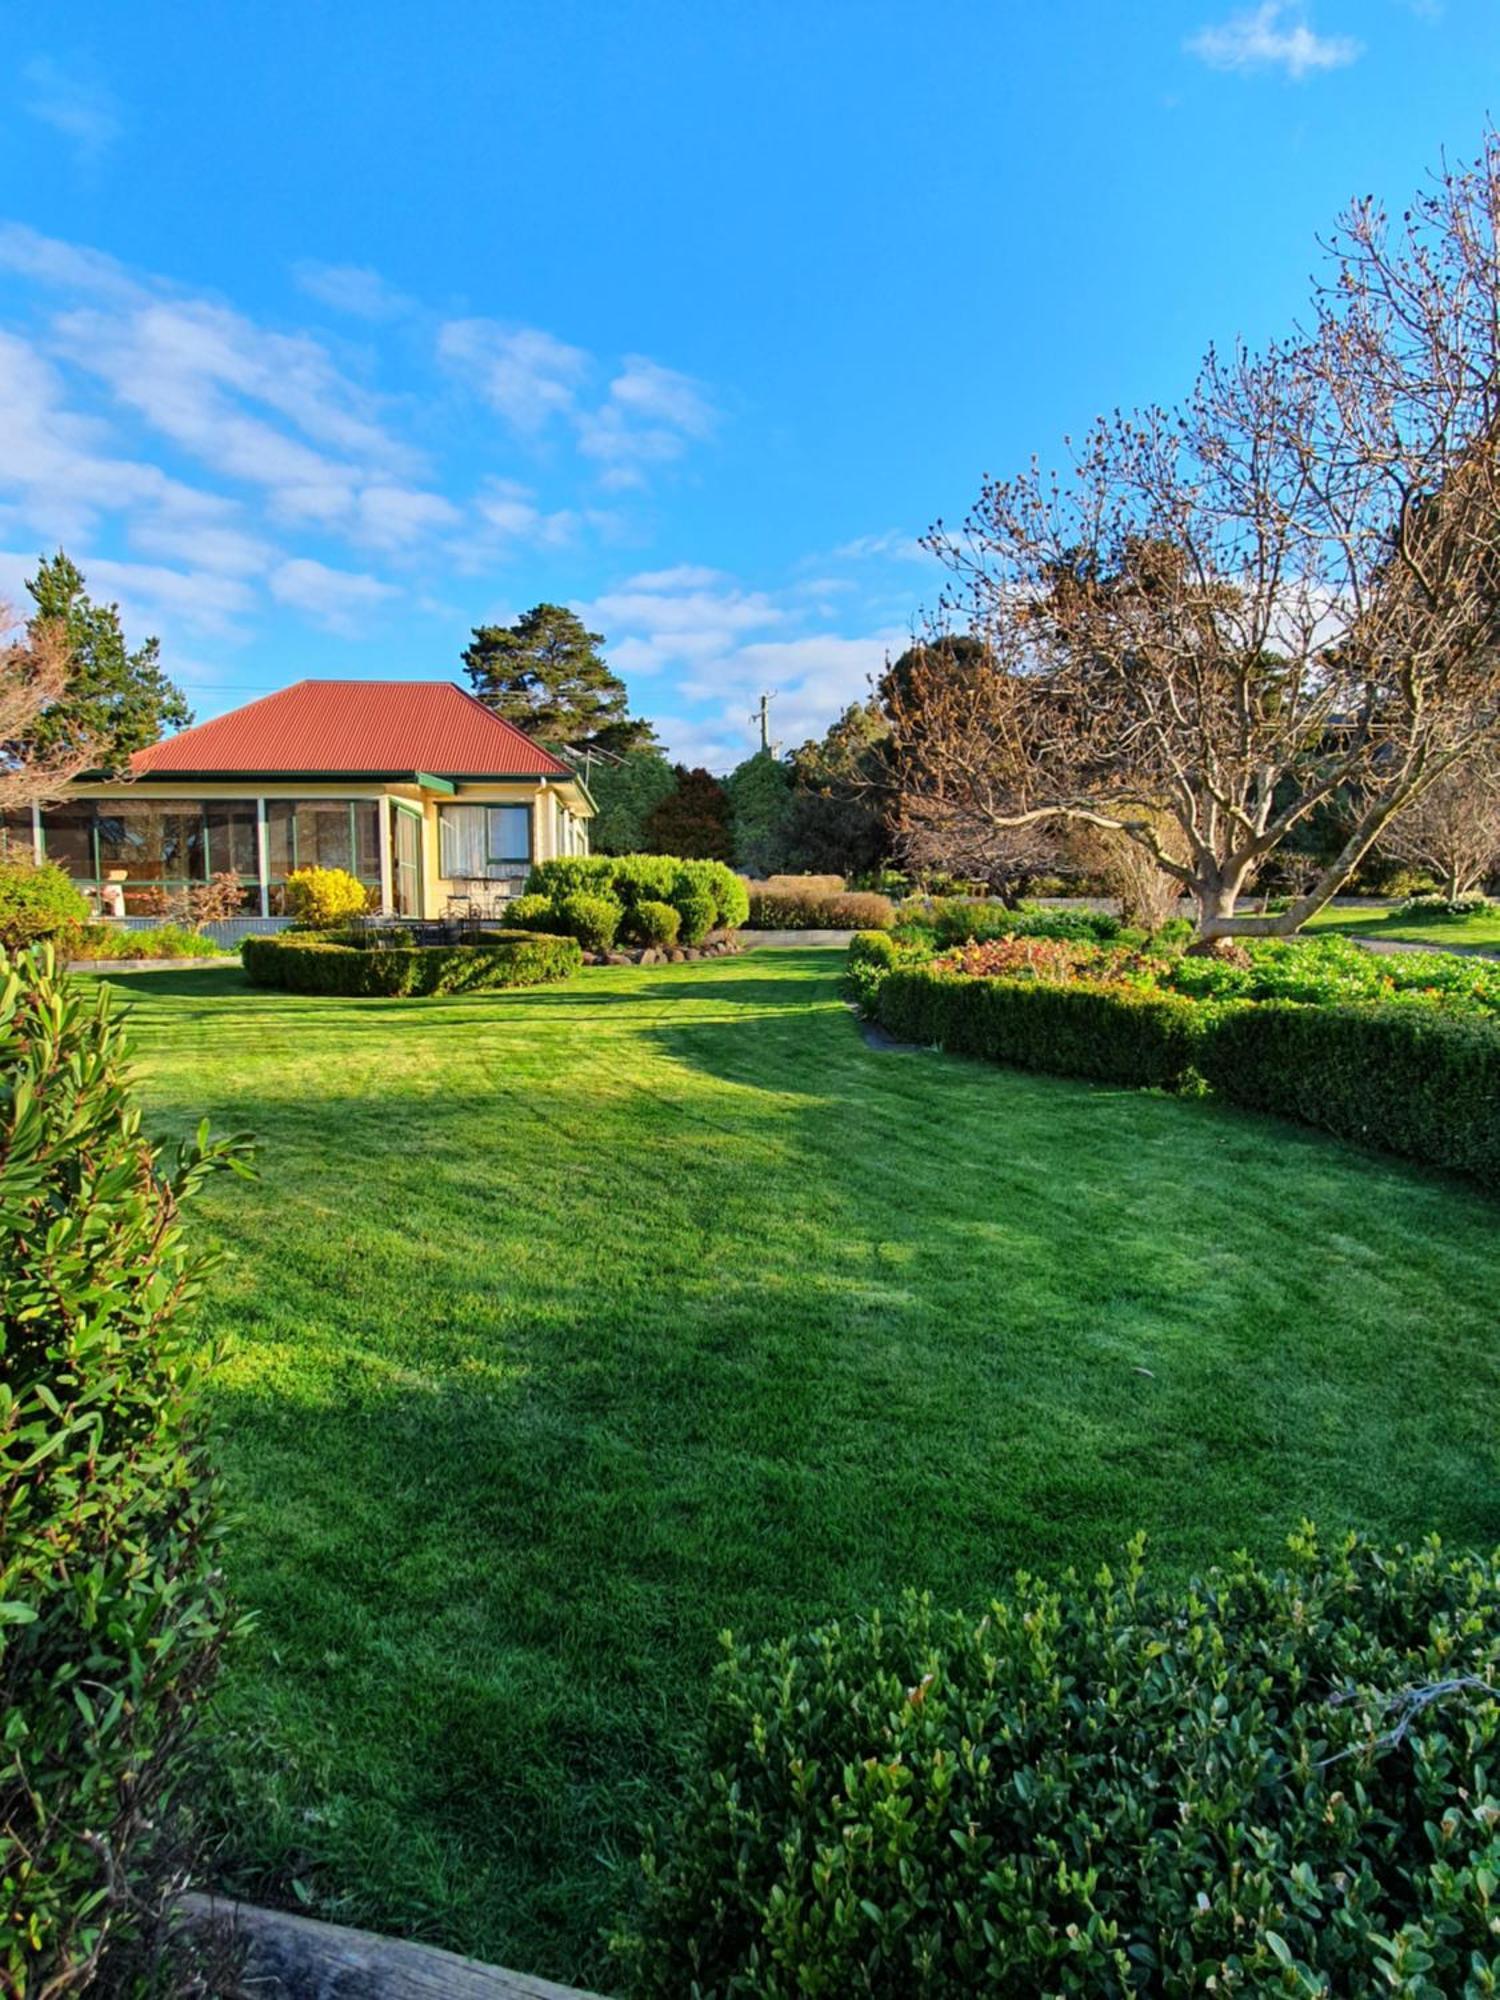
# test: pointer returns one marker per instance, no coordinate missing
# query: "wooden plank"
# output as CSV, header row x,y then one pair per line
x,y
298,1958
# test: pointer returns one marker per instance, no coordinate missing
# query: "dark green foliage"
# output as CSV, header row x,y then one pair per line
x,y
111,1611
1271,1781
840,786
37,903
547,675
117,701
1118,1034
800,910
693,819
593,920
1404,1078
300,964
760,799
625,794
653,923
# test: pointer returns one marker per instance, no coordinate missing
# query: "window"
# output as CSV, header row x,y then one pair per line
x,y
152,840
483,843
323,833
68,839
230,831
16,838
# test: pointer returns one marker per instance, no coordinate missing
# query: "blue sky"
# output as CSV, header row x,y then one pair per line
x,y
328,332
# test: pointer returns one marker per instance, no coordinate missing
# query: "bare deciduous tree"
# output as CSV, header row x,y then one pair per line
x,y
1453,829
34,669
1284,591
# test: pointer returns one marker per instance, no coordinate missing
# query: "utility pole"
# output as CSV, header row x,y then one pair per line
x,y
762,715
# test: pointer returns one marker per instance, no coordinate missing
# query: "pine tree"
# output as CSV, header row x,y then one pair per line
x,y
547,674
117,701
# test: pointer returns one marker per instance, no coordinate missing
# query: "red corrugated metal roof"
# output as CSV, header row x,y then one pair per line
x,y
355,729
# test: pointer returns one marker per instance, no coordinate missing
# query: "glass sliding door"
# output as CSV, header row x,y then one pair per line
x,y
406,860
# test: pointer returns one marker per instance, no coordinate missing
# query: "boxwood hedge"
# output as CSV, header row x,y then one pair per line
x,y
1118,1034
1263,1782
302,964
1404,1078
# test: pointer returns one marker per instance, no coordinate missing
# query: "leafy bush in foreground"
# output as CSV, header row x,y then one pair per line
x,y
111,1610
1274,1782
300,964
36,903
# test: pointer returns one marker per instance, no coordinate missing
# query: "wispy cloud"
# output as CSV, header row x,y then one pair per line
x,y
351,288
339,600
85,113
648,415
1274,36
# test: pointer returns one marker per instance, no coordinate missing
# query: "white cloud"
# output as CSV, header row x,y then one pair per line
x,y
337,599
529,376
351,288
1275,35
86,114
893,542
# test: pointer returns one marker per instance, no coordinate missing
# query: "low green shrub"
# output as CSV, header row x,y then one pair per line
x,y
653,924
297,963
592,919
529,913
945,921
635,878
162,941
112,1610
1117,1033
1406,1079
696,911
319,898
872,954
37,903
1268,1781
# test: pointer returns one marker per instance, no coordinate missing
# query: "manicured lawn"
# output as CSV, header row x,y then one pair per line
x,y
1477,933
572,1326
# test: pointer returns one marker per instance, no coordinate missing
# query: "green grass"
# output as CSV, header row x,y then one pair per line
x,y
1476,933
572,1326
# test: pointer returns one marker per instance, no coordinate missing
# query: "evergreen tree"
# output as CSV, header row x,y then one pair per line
x,y
548,675
625,794
760,798
836,823
693,819
116,701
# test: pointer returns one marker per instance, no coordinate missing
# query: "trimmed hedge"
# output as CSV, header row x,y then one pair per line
x,y
112,1605
1260,1782
801,910
1117,1034
634,878
297,963
1403,1078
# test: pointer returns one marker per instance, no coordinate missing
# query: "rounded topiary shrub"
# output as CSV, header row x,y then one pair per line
x,y
593,920
1262,1782
695,910
112,1610
529,913
320,899
653,923
37,903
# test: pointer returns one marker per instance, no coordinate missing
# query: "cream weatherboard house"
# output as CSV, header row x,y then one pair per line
x,y
414,786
